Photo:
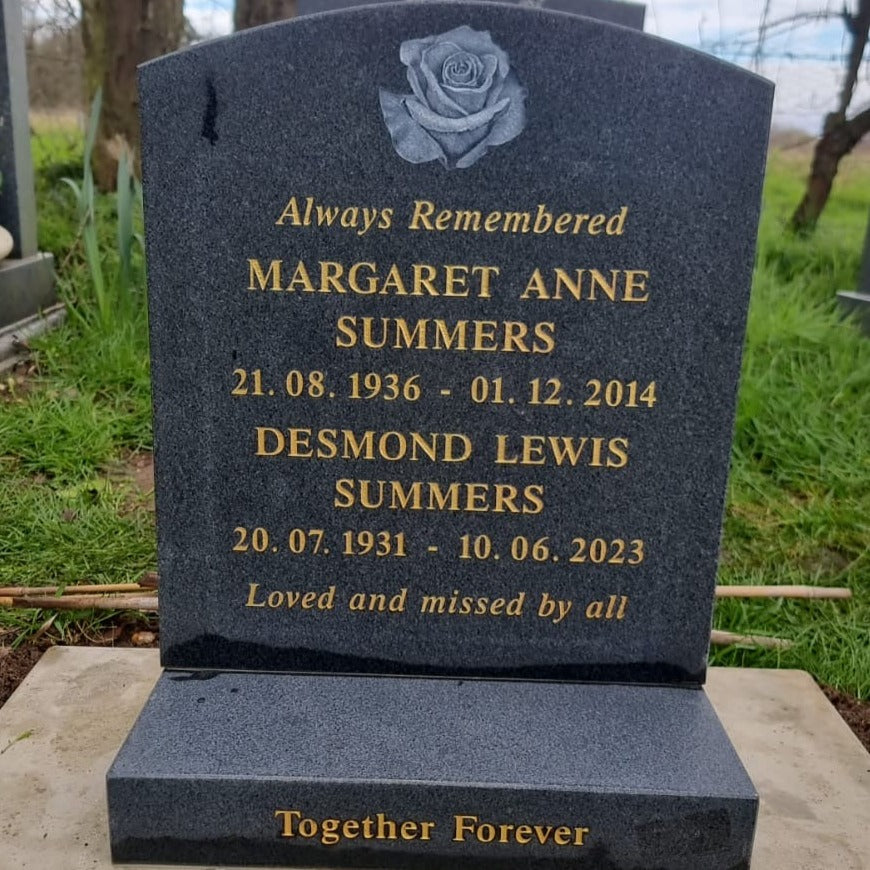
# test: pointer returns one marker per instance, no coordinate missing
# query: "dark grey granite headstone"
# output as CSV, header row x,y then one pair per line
x,y
613,11
578,456
447,305
26,280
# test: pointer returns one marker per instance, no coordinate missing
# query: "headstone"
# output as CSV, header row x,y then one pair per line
x,y
614,11
858,302
445,340
26,280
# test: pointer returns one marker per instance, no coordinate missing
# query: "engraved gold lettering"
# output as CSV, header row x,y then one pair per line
x,y
300,280
423,210
291,211
516,221
255,273
329,277
424,282
561,450
635,279
467,828
455,281
543,220
589,285
467,221
427,216
353,279
480,336
331,831
595,224
454,497
394,281
523,835
493,219
462,825
252,596
616,224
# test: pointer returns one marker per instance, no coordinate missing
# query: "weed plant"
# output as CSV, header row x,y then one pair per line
x,y
799,491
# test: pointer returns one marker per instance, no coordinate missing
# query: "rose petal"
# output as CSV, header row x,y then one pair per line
x,y
471,157
474,99
477,42
411,53
510,123
463,70
411,141
455,145
416,83
428,119
506,126
411,50
436,98
438,52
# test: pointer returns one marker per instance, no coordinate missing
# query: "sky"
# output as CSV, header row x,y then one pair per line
x,y
805,63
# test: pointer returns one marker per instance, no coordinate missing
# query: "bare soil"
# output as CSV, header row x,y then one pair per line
x,y
855,713
16,663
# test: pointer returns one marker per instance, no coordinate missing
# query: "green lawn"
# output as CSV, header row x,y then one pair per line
x,y
799,496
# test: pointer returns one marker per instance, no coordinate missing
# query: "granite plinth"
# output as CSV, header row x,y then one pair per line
x,y
26,286
643,777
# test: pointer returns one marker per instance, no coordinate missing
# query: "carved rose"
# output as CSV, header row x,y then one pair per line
x,y
466,99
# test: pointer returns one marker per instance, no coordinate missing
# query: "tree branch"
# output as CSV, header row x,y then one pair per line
x,y
834,145
858,26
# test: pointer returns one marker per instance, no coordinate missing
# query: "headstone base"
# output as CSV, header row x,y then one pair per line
x,y
26,287
295,770
14,338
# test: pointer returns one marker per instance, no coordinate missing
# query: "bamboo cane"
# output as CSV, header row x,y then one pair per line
x,y
779,592
729,638
81,602
150,580
150,583
82,589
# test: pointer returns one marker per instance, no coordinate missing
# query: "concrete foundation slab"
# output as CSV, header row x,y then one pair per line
x,y
60,731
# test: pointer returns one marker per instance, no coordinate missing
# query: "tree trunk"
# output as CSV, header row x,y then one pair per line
x,y
253,13
117,36
834,145
839,135
858,26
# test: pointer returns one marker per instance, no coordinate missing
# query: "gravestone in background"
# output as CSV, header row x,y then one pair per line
x,y
858,302
614,11
447,305
26,279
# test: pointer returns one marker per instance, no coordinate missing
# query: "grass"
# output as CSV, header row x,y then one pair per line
x,y
799,501
799,492
64,516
